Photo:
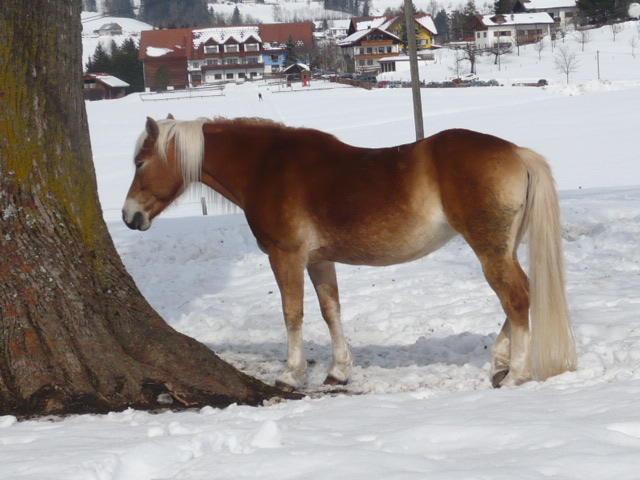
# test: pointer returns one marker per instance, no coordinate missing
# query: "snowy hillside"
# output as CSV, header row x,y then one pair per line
x,y
420,405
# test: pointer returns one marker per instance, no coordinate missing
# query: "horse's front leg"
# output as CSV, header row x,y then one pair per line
x,y
323,277
289,272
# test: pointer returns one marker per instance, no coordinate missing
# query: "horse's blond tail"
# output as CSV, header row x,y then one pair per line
x,y
553,349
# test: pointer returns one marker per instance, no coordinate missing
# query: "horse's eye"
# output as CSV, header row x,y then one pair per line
x,y
138,164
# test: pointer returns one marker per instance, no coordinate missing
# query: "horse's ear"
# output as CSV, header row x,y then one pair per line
x,y
170,117
152,129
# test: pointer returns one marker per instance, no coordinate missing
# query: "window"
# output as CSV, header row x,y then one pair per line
x,y
369,62
231,61
211,49
241,75
361,63
361,51
380,49
231,48
195,65
253,60
389,49
252,47
369,50
229,76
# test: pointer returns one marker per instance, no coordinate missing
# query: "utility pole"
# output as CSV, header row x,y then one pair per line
x,y
413,63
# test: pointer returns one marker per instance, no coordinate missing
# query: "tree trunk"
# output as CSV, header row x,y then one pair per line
x,y
76,335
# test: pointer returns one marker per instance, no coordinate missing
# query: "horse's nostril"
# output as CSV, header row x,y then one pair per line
x,y
136,222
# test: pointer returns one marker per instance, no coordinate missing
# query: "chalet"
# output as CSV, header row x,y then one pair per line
x,y
225,53
510,29
101,86
277,35
373,42
366,47
299,72
110,29
180,58
563,12
164,55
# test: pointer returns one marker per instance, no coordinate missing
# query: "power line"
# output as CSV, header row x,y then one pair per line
x,y
115,13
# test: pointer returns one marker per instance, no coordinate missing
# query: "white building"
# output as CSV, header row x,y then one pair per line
x,y
511,29
563,12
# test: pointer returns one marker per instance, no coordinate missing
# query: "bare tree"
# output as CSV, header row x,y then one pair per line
x,y
498,49
471,52
582,37
76,335
457,67
616,28
566,61
540,46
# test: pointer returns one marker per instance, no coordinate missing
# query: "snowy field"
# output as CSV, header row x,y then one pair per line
x,y
419,405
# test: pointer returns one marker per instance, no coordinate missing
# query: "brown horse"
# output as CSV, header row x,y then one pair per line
x,y
311,200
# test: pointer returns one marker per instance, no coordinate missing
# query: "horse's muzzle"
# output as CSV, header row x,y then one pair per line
x,y
138,222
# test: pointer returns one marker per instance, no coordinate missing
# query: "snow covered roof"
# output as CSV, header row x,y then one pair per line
x,y
222,34
302,66
515,19
547,4
157,51
354,37
427,22
109,80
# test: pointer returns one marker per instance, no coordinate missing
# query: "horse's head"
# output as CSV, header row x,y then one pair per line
x,y
158,180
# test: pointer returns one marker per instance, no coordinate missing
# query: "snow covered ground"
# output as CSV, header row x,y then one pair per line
x,y
420,404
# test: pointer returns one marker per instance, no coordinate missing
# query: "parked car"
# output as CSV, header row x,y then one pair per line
x,y
367,79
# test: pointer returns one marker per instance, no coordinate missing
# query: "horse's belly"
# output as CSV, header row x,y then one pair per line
x,y
386,243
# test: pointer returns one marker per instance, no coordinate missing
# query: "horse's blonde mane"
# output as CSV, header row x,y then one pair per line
x,y
188,142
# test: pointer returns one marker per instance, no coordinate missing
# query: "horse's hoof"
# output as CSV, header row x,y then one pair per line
x,y
498,378
285,387
333,381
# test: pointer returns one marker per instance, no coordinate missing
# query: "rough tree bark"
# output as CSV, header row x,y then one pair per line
x,y
75,335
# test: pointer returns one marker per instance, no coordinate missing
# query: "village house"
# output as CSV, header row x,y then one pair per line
x,y
563,12
111,29
374,43
182,58
101,86
510,29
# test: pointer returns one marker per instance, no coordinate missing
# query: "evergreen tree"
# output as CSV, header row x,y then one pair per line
x,y
236,18
119,8
120,61
597,11
291,55
366,8
442,24
176,12
404,36
502,6
100,61
89,6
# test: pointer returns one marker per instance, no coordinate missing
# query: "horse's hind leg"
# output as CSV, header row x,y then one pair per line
x,y
511,353
501,355
323,277
289,272
501,351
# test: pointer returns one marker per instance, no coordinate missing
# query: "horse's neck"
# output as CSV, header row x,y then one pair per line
x,y
231,157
